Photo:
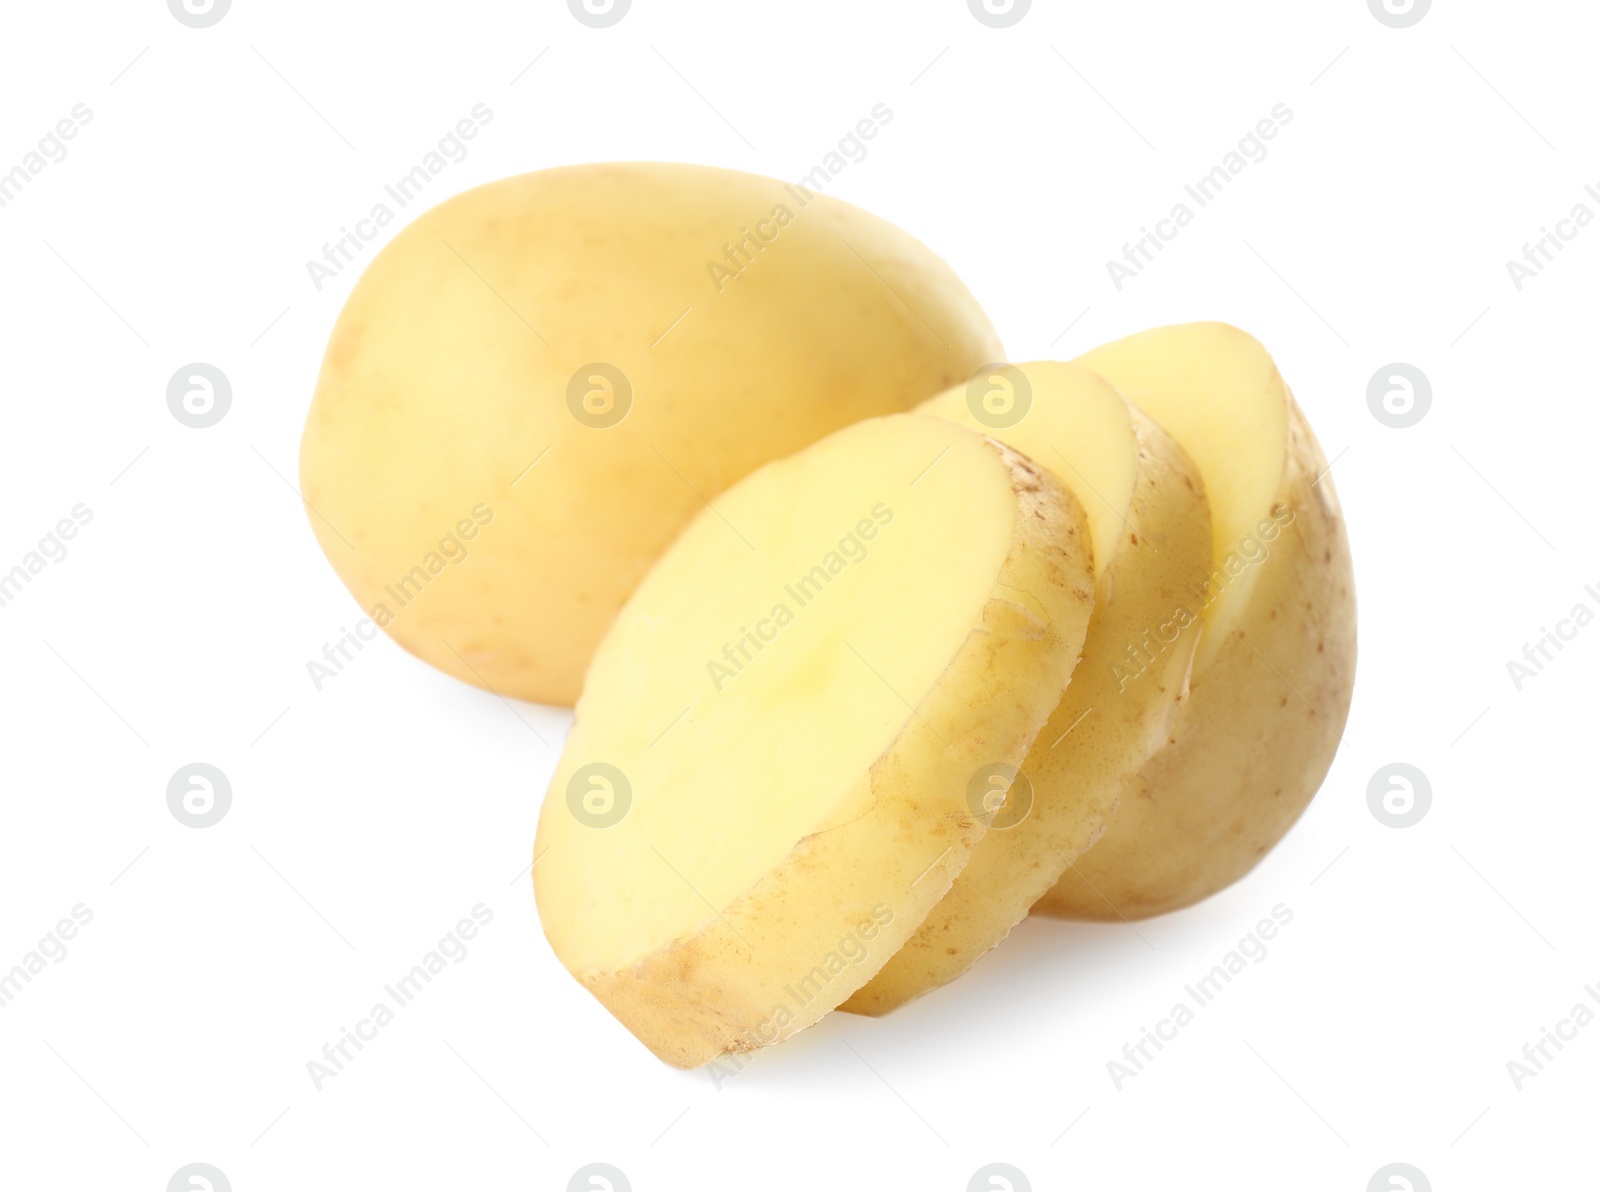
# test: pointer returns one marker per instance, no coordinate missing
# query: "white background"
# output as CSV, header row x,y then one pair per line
x,y
369,817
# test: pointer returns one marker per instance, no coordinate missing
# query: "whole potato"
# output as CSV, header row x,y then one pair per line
x,y
539,382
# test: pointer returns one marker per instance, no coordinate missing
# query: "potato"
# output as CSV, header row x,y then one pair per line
x,y
539,382
1270,687
1151,531
771,771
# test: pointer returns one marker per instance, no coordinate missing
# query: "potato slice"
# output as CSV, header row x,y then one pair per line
x,y
766,784
538,382
1152,538
1273,672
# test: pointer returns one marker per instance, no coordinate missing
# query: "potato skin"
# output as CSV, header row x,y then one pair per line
x,y
444,399
1257,732
734,986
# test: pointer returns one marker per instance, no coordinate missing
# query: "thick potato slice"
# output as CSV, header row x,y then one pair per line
x,y
1152,539
767,782
537,383
1272,676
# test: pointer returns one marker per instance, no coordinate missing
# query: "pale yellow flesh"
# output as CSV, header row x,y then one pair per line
x,y
725,820
1151,531
1271,684
1217,393
789,830
444,391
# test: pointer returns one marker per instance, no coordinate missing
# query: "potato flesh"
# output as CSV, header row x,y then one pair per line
x,y
1152,539
445,389
824,787
666,661
1077,428
1217,393
1271,685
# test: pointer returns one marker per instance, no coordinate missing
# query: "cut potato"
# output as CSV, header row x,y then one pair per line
x,y
537,383
766,786
1272,676
1152,539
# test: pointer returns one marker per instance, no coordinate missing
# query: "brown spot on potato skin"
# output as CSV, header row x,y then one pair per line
x,y
344,346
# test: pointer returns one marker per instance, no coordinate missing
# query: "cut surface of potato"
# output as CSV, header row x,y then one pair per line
x,y
767,782
538,382
1272,678
1152,540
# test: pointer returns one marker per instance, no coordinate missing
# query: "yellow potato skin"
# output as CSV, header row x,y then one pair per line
x,y
1109,721
442,407
1258,729
903,834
